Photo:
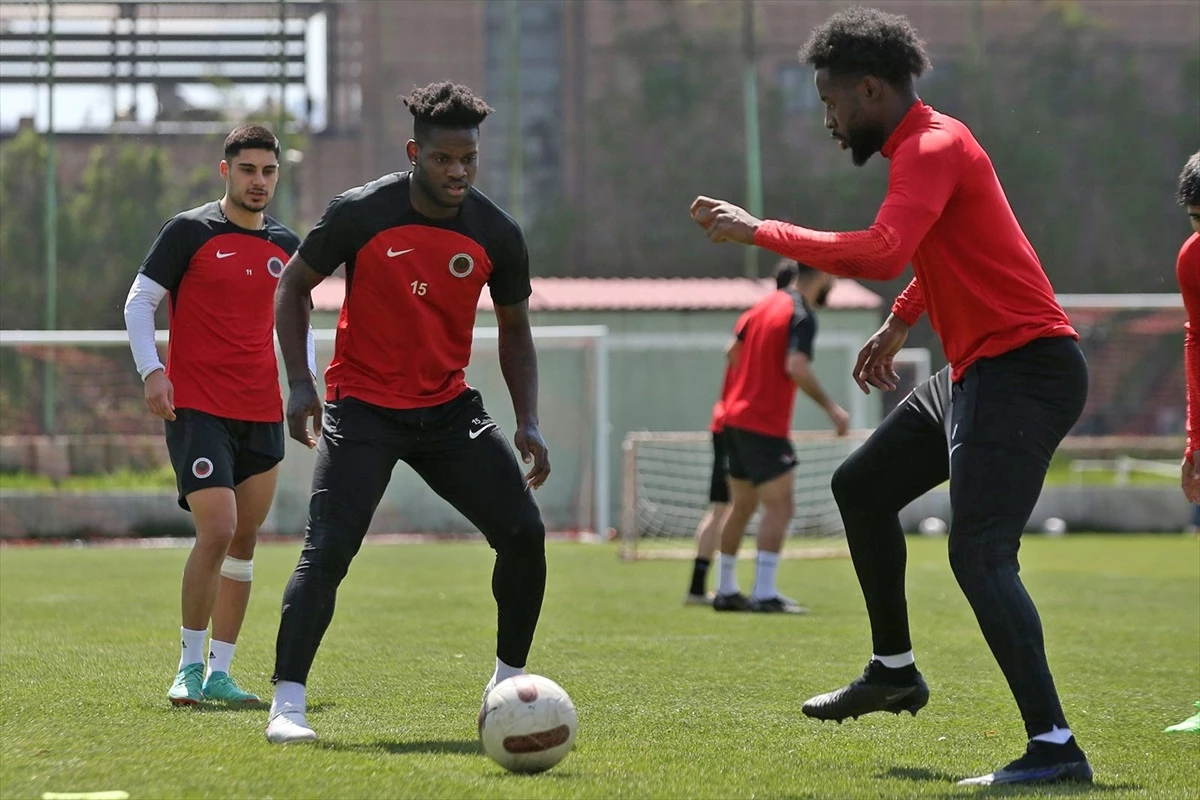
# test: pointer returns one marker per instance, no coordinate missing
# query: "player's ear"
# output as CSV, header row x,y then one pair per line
x,y
224,170
871,88
412,151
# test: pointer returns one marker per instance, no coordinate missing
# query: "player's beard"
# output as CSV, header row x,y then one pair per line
x,y
252,204
864,143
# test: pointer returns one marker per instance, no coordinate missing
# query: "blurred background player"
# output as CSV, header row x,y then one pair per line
x,y
709,529
418,248
219,393
1187,272
769,357
1017,379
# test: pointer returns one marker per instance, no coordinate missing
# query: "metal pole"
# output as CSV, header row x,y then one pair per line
x,y
282,188
516,147
51,230
602,478
754,190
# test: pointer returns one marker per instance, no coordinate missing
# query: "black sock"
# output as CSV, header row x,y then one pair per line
x,y
895,676
699,575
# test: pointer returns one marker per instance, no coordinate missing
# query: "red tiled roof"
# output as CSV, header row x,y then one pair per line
x,y
637,294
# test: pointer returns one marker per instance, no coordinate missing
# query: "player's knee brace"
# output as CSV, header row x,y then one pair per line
x,y
237,569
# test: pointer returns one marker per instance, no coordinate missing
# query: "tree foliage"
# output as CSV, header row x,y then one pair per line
x,y
106,224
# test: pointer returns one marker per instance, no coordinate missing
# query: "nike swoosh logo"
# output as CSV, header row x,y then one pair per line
x,y
475,434
226,255
892,697
393,253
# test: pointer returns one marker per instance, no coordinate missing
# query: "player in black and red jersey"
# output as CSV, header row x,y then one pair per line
x,y
418,248
769,357
219,393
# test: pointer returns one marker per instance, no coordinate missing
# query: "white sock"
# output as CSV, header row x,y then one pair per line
x,y
764,576
897,661
504,672
728,584
1055,735
287,693
220,656
192,647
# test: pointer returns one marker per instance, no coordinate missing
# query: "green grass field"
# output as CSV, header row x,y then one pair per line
x,y
673,701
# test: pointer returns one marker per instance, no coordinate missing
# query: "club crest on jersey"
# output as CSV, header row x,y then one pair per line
x,y
275,266
461,265
202,468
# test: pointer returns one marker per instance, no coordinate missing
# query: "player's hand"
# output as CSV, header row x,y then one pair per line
x,y
724,222
839,418
532,448
875,360
160,395
303,403
1190,479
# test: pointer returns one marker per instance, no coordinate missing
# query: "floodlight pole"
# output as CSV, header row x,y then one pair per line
x,y
51,231
283,186
516,147
754,189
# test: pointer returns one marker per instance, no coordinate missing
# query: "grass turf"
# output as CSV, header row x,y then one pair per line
x,y
673,701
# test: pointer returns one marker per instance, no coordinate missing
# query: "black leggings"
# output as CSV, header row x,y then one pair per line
x,y
992,434
463,456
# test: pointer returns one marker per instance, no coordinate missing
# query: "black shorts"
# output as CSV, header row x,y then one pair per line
x,y
208,451
456,447
718,489
756,457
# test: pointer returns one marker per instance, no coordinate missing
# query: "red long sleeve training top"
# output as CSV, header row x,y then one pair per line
x,y
946,212
1187,271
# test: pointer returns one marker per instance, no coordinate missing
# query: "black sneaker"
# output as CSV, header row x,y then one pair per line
x,y
731,602
1043,762
777,605
877,689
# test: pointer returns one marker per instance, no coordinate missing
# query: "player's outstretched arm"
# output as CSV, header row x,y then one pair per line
x,y
799,369
293,301
518,363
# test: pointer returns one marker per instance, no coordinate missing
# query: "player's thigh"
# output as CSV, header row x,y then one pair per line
x,y
468,461
214,514
357,451
202,449
777,493
902,459
1009,415
718,489
260,448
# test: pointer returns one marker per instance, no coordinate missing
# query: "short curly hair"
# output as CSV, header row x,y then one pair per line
x,y
445,105
866,41
1189,182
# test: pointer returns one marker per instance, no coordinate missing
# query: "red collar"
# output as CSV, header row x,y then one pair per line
x,y
918,114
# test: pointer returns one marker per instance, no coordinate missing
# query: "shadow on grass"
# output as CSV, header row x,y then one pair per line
x,y
441,746
1068,789
211,707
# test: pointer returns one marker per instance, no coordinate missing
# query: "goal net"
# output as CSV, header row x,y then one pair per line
x,y
666,484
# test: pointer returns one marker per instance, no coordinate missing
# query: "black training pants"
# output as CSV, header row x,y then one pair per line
x,y
463,456
992,434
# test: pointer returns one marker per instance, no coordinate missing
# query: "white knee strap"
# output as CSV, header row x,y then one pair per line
x,y
237,569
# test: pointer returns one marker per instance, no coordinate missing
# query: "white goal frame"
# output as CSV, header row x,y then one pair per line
x,y
597,335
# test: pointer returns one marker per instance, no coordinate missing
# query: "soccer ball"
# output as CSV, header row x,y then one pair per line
x,y
527,724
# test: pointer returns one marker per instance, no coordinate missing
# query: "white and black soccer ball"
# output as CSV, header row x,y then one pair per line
x,y
528,723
